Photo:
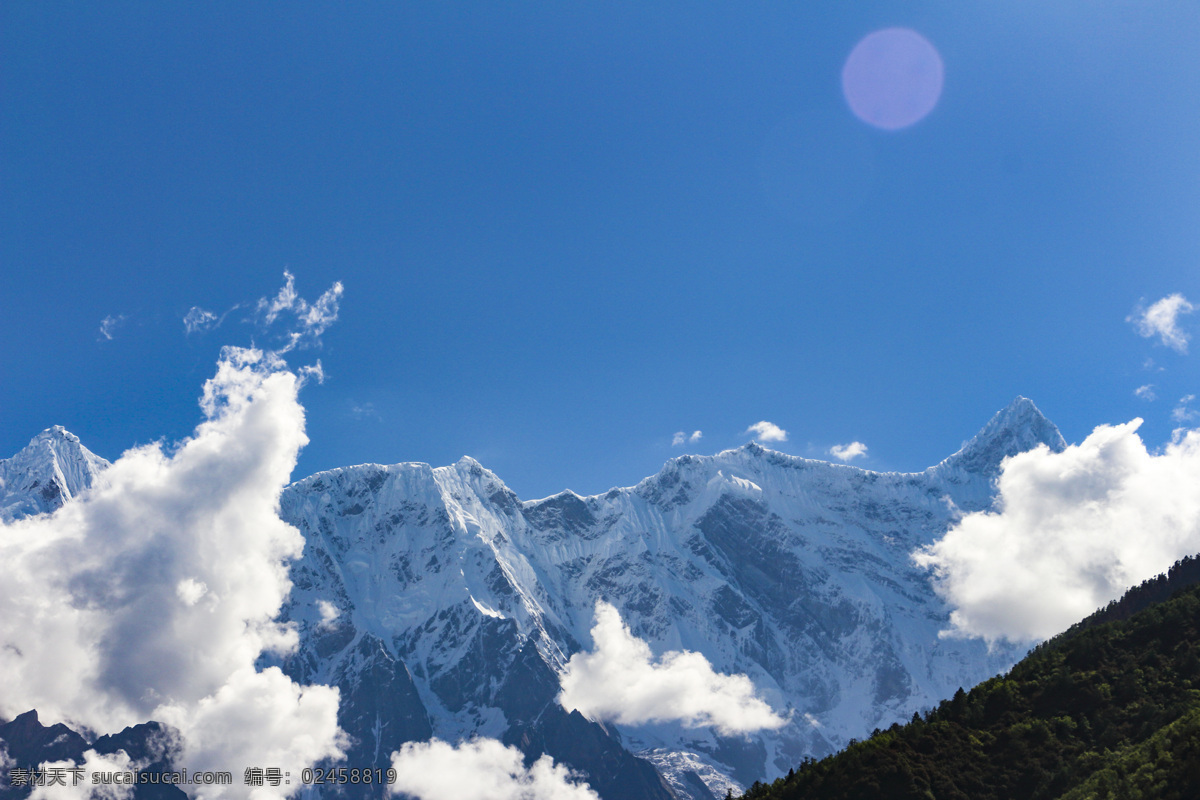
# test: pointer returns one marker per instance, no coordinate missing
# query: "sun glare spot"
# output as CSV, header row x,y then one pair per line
x,y
893,78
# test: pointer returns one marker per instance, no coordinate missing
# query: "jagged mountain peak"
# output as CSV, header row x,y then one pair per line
x,y
57,432
476,474
755,453
469,465
53,468
748,459
436,600
56,442
1018,427
469,476
1021,412
565,496
752,448
360,478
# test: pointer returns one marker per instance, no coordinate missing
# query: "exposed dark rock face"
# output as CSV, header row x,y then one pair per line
x,y
592,751
150,746
441,605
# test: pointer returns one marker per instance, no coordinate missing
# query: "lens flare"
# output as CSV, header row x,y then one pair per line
x,y
893,78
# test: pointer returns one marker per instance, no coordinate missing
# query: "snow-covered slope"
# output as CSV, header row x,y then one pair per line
x,y
792,571
51,470
442,604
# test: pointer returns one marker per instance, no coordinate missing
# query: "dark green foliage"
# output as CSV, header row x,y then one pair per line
x,y
1184,574
1109,709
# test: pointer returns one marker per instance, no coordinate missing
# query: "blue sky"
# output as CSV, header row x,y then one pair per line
x,y
567,231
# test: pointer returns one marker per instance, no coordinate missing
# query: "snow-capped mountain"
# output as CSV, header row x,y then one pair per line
x,y
442,604
52,469
792,571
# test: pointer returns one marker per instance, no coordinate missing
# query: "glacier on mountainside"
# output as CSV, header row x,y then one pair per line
x,y
794,572
51,470
441,604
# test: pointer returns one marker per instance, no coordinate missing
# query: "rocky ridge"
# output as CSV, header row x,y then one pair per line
x,y
443,605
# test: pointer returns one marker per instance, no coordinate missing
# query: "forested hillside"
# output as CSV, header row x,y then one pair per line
x,y
1111,708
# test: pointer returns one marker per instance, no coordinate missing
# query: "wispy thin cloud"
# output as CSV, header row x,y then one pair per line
x,y
363,410
1161,319
286,314
847,452
767,432
198,320
1146,392
310,320
201,320
1184,412
109,324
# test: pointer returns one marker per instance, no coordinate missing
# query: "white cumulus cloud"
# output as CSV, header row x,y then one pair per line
x,y
482,769
846,452
767,432
681,437
153,595
620,681
329,613
1071,531
190,590
1161,319
82,787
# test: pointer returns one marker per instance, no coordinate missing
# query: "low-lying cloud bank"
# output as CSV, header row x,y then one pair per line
x,y
620,681
481,769
1071,531
153,595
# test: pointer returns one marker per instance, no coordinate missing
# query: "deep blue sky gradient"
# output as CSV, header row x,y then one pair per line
x,y
568,230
